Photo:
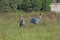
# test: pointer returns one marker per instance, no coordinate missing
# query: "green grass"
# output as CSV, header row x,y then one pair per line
x,y
48,29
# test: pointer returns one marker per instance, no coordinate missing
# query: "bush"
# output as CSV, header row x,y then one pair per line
x,y
26,5
35,5
46,5
8,5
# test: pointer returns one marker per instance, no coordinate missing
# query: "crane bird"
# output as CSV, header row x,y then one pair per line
x,y
22,22
36,19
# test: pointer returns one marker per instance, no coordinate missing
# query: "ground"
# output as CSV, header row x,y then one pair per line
x,y
48,29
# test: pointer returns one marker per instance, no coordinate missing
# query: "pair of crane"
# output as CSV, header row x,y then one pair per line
x,y
33,20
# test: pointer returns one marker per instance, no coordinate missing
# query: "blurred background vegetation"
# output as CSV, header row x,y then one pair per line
x,y
25,5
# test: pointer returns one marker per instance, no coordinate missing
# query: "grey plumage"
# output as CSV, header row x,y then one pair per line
x,y
36,19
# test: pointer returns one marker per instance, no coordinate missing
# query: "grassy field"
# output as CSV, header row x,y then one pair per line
x,y
48,29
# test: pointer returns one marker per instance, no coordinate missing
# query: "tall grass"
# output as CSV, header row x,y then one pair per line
x,y
48,29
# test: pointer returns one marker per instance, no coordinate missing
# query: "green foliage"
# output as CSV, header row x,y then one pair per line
x,y
26,5
8,5
46,5
36,5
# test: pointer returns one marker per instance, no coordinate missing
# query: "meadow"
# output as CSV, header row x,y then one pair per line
x,y
47,29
